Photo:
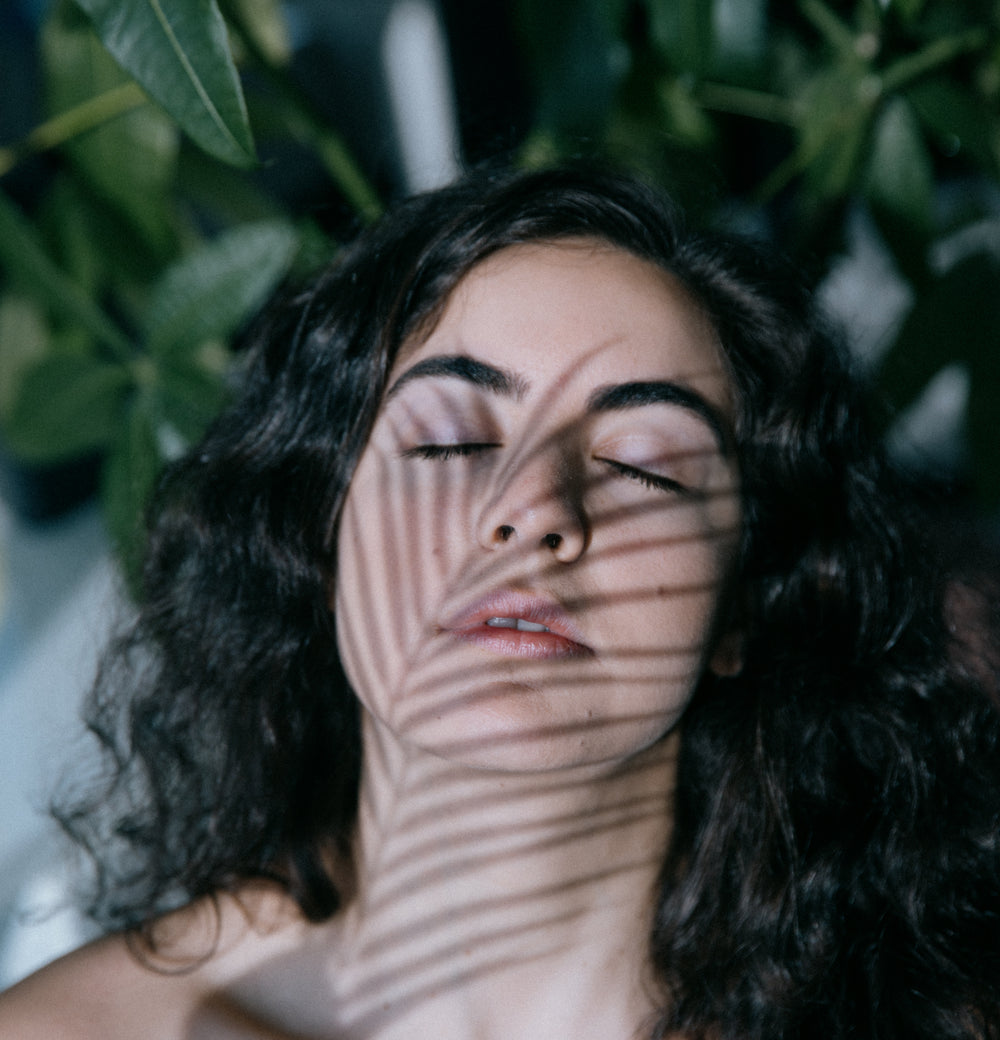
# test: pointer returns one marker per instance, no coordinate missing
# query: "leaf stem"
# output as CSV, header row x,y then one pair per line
x,y
826,22
25,259
81,118
741,101
308,126
939,52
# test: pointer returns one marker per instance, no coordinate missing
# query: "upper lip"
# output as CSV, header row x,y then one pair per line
x,y
512,603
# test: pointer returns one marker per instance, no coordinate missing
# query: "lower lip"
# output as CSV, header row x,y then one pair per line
x,y
511,642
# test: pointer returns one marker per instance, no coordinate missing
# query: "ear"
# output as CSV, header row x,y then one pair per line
x,y
726,660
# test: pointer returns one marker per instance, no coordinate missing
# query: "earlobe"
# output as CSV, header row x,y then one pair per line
x,y
727,657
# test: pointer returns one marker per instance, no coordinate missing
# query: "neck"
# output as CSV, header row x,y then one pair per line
x,y
486,897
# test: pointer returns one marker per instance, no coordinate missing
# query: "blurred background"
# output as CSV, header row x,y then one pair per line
x,y
162,172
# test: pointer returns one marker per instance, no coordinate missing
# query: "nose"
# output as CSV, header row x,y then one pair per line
x,y
538,505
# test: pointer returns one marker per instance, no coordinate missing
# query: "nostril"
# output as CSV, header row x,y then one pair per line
x,y
504,532
552,540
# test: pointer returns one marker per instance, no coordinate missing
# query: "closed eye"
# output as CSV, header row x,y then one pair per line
x,y
446,451
650,480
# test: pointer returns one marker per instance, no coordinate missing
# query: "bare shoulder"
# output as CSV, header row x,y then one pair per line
x,y
121,987
95,991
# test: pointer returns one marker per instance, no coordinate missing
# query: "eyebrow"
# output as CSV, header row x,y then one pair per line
x,y
458,366
640,394
618,397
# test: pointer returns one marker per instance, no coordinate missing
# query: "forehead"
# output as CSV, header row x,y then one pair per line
x,y
577,314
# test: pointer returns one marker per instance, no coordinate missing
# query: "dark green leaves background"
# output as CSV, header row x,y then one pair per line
x,y
156,237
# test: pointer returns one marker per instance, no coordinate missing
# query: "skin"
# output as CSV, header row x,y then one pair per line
x,y
638,568
515,797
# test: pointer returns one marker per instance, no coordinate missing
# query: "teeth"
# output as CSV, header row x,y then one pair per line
x,y
502,622
519,623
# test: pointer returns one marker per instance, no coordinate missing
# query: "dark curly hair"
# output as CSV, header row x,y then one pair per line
x,y
835,867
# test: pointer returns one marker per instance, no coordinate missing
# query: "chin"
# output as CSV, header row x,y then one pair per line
x,y
507,730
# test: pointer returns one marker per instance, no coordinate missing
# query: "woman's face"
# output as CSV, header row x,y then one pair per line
x,y
534,544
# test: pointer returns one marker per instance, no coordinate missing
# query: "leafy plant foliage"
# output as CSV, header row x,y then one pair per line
x,y
126,286
156,237
806,117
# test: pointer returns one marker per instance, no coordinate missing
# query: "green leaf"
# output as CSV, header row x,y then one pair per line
x,y
226,195
190,397
67,220
29,265
128,161
179,52
830,26
899,184
684,119
209,293
899,173
939,51
265,21
958,120
95,245
24,337
128,481
66,406
835,115
908,9
683,31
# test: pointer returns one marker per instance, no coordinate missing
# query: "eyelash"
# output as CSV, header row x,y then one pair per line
x,y
443,452
649,480
446,451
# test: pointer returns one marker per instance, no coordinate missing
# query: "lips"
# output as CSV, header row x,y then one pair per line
x,y
519,624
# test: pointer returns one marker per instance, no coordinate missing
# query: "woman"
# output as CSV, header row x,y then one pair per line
x,y
539,648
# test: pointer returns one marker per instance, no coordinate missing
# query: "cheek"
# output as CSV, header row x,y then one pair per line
x,y
665,582
398,536
357,592
371,599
